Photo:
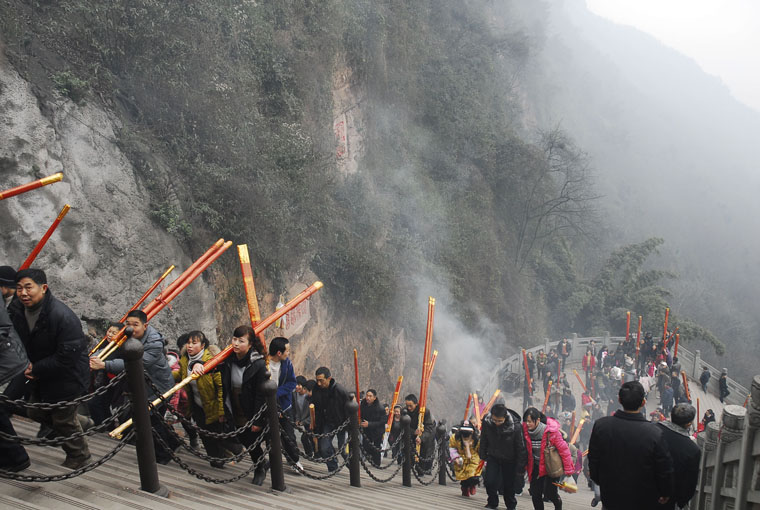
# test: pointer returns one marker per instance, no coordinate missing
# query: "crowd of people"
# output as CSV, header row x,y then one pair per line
x,y
628,460
46,358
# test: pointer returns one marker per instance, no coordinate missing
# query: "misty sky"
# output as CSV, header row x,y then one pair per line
x,y
722,36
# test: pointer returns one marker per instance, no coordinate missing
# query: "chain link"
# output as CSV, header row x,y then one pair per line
x,y
330,474
204,456
201,431
52,406
57,441
450,473
382,480
434,468
220,481
389,449
57,478
311,434
316,460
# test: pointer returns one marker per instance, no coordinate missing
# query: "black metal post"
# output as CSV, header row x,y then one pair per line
x,y
442,454
406,468
354,467
275,446
132,351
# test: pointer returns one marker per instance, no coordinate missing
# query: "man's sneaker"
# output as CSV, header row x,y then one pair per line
x,y
76,462
298,468
594,502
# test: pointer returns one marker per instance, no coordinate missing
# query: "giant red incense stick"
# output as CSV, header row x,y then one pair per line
x,y
393,403
50,179
28,262
467,409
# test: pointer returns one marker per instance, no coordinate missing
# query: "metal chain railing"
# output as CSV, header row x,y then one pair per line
x,y
382,480
84,469
210,479
52,406
317,460
450,473
57,441
201,431
204,456
311,434
434,468
398,460
375,449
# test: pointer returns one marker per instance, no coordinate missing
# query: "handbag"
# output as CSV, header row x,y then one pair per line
x,y
553,462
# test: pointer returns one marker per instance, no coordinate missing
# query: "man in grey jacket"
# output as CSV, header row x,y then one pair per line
x,y
157,367
13,361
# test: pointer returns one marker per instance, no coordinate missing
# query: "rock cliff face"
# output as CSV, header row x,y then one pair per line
x,y
107,251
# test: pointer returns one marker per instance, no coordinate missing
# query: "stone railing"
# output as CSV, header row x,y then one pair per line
x,y
729,470
691,362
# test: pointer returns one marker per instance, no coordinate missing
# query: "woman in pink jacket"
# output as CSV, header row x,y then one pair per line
x,y
541,432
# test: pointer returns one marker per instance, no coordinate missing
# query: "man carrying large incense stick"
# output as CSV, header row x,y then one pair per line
x,y
427,439
57,350
158,369
329,399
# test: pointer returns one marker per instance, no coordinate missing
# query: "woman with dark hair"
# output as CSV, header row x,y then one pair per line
x,y
243,373
372,425
541,433
463,450
204,393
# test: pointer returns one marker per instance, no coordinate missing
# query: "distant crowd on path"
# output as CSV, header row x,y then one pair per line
x,y
45,358
605,370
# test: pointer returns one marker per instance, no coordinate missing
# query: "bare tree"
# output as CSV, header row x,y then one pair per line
x,y
555,198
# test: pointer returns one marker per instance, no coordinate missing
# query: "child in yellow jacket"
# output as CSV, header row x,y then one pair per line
x,y
463,450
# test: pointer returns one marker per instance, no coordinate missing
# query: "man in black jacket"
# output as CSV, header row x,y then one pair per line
x,y
704,378
628,456
329,399
57,350
372,425
502,446
426,439
685,454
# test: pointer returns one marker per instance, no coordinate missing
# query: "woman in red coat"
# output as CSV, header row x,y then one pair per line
x,y
541,432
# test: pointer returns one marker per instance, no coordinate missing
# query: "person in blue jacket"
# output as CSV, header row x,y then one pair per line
x,y
283,373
